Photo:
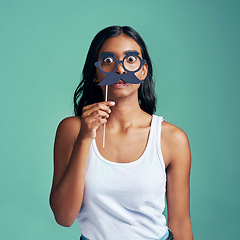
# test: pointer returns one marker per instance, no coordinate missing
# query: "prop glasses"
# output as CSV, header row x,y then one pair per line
x,y
131,62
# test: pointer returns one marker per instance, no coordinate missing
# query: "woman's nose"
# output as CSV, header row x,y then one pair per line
x,y
120,69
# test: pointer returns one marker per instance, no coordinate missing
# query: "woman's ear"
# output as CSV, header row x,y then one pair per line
x,y
144,71
95,78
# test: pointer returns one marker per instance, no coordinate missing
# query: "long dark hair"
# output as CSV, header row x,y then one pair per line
x,y
88,92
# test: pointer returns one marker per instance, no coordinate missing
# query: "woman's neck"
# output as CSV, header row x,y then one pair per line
x,y
125,113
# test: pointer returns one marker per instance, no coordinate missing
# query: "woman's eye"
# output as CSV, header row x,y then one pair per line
x,y
108,60
131,59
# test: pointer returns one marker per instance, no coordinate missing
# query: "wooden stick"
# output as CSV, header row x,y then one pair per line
x,y
104,125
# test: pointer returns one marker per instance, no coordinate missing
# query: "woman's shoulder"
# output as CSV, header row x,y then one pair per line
x,y
176,143
173,134
72,121
69,127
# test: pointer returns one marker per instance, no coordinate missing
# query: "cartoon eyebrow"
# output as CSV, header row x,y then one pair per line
x,y
111,54
133,52
107,54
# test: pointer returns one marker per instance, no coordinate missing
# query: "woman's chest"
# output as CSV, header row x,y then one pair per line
x,y
130,147
123,148
138,179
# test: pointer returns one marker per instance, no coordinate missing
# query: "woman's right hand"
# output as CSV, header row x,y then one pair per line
x,y
92,117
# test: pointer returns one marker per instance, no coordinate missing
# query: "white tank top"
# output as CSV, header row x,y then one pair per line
x,y
125,200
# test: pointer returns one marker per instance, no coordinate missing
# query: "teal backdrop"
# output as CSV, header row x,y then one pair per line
x,y
194,47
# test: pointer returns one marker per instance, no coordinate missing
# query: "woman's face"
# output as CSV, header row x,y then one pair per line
x,y
119,46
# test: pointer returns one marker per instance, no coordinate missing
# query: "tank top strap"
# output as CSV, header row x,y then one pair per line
x,y
156,127
156,138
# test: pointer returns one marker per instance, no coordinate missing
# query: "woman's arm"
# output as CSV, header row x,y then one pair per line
x,y
68,180
71,150
178,192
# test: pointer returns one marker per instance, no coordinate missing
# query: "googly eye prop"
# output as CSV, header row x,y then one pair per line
x,y
131,63
108,64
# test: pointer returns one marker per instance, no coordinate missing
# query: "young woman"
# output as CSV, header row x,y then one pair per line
x,y
117,192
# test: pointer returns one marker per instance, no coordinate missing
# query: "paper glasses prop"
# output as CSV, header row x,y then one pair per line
x,y
108,64
131,63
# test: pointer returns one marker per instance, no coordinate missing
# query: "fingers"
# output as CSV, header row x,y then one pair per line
x,y
102,106
108,103
98,114
93,116
96,123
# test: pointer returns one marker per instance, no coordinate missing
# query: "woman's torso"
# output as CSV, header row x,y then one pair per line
x,y
128,191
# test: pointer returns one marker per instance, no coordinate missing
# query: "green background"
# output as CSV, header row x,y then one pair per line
x,y
194,46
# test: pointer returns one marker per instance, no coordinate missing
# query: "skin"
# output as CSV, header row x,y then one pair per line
x,y
127,125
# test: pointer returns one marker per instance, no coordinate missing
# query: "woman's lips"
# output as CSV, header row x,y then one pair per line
x,y
120,83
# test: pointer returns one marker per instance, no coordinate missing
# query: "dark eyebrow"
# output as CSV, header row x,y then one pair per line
x,y
107,54
111,53
131,51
